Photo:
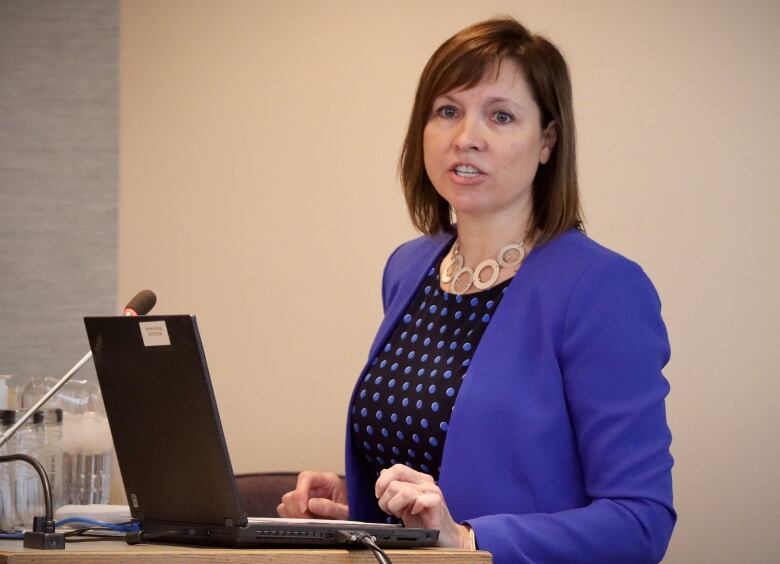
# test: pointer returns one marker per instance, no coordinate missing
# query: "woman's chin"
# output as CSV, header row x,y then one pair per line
x,y
473,208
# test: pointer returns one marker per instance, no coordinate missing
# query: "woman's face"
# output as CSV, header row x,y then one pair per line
x,y
482,146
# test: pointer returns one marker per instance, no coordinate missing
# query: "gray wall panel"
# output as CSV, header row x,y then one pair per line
x,y
58,179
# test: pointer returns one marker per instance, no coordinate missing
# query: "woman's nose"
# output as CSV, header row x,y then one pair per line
x,y
469,135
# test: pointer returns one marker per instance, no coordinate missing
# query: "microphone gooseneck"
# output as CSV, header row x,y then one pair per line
x,y
141,304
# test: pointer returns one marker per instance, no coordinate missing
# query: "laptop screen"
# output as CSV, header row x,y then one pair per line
x,y
164,419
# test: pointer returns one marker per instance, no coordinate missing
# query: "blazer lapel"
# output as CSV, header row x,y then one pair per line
x,y
417,265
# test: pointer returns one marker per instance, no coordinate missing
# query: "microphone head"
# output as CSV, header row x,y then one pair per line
x,y
141,304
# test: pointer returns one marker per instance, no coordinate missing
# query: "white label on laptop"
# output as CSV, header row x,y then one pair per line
x,y
154,333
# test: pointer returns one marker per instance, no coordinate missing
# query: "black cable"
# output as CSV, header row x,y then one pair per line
x,y
93,537
367,540
84,535
49,525
75,532
379,554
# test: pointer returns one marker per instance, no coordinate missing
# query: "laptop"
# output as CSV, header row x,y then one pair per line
x,y
171,450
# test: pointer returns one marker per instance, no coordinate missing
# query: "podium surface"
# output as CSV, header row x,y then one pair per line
x,y
93,552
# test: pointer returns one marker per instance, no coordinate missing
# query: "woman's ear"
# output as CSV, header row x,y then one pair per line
x,y
549,137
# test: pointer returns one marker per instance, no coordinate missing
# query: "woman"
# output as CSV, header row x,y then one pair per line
x,y
557,448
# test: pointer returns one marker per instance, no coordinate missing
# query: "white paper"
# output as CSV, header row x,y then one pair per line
x,y
154,333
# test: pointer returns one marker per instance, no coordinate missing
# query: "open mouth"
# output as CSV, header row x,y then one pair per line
x,y
466,171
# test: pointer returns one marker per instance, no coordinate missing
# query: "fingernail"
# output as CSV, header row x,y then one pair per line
x,y
302,506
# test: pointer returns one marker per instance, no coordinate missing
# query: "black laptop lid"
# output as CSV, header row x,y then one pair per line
x,y
164,420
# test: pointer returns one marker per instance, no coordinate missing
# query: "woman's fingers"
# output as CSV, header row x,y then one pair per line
x,y
397,498
311,485
327,509
317,507
400,498
402,473
294,504
399,488
426,501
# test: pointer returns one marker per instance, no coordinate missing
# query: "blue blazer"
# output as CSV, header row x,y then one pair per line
x,y
558,447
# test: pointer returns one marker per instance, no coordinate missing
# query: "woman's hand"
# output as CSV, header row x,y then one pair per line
x,y
418,501
318,495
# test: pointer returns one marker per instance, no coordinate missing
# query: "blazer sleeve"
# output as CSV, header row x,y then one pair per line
x,y
613,347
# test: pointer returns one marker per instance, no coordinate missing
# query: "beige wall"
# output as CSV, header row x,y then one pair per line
x,y
258,190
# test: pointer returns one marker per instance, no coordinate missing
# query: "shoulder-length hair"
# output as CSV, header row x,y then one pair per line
x,y
461,63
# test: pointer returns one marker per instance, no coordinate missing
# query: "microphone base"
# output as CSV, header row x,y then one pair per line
x,y
44,541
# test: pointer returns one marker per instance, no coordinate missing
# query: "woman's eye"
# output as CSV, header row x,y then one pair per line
x,y
502,117
447,112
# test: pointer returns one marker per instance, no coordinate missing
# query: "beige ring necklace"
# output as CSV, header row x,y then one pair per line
x,y
461,278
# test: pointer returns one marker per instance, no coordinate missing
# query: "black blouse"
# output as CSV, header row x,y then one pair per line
x,y
403,404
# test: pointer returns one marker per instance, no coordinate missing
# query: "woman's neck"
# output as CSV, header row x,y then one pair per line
x,y
480,239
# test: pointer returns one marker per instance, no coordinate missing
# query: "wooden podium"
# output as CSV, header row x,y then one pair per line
x,y
117,552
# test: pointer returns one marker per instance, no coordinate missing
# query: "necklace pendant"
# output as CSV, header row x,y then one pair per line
x,y
452,265
504,255
464,271
485,284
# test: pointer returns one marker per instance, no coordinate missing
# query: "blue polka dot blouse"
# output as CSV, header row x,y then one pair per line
x,y
403,404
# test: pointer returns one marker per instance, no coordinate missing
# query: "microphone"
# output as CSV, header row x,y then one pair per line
x,y
141,304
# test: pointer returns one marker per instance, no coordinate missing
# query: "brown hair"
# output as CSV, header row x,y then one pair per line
x,y
461,63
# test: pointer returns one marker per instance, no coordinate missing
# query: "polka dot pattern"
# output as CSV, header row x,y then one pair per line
x,y
404,402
